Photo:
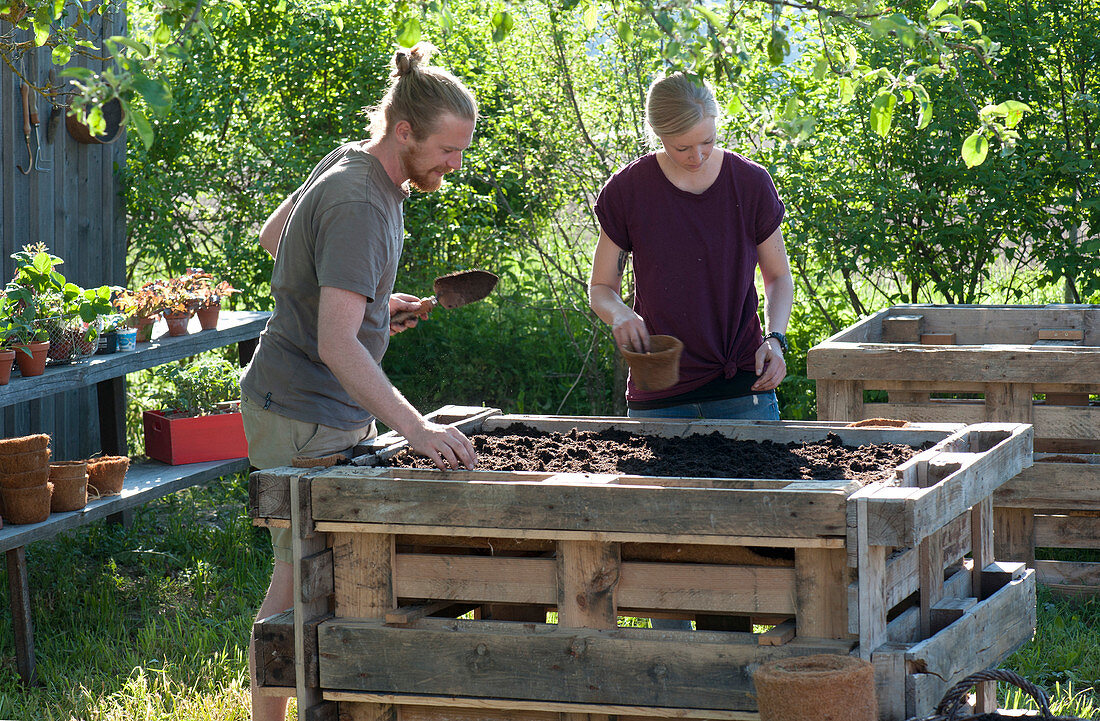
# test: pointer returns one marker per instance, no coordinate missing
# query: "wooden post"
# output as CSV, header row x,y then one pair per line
x,y
588,579
840,400
308,604
871,585
363,566
111,397
981,550
22,623
821,588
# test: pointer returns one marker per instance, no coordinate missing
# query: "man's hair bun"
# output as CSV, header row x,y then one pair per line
x,y
408,60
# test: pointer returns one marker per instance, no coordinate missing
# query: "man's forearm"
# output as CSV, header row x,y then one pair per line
x,y
368,386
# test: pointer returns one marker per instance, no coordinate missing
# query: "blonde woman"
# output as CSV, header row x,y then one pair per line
x,y
696,221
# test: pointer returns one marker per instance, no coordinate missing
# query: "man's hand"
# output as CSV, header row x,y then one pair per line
x,y
404,302
447,446
770,366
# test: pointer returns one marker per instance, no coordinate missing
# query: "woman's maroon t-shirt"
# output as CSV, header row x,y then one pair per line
x,y
695,261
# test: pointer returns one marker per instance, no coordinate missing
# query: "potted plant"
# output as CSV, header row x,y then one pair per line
x,y
199,415
180,303
29,342
208,295
7,353
108,332
141,308
43,298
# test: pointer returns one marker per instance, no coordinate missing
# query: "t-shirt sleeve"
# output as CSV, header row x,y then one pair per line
x,y
351,242
770,208
611,212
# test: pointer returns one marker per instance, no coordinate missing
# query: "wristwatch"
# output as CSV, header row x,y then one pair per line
x,y
781,337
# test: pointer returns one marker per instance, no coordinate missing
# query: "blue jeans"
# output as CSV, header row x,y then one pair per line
x,y
755,407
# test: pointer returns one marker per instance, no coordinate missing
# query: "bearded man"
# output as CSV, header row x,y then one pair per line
x,y
315,386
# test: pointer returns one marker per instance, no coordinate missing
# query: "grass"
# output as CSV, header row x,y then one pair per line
x,y
151,623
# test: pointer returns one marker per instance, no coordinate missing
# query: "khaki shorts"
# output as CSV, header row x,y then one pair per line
x,y
274,440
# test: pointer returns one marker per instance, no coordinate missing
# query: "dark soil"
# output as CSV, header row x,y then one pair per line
x,y
518,448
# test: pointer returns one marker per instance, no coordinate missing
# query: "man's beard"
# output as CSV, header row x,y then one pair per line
x,y
426,180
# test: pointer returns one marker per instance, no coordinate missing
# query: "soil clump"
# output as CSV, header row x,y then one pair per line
x,y
519,448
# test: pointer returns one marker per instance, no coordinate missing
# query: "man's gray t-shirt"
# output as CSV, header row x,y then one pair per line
x,y
345,231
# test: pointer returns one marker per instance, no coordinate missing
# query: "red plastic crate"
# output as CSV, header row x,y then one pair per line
x,y
177,441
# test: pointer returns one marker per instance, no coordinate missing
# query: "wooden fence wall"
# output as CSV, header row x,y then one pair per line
x,y
75,208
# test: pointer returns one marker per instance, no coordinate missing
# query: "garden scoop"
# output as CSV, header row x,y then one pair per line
x,y
453,290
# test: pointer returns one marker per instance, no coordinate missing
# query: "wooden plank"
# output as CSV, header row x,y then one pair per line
x,y
304,543
233,326
588,575
903,516
559,535
535,662
1014,534
890,671
981,539
22,622
144,482
1061,334
821,604
456,708
930,575
1069,577
840,400
1051,422
870,610
1053,486
1067,531
947,611
778,634
649,586
983,637
937,338
837,362
274,643
610,508
364,579
902,328
774,431
269,492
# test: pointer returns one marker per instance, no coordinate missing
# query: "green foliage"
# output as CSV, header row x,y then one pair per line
x,y
199,388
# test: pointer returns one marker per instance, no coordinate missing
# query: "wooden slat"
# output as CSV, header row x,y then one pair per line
x,y
1069,577
347,497
558,535
820,580
651,586
544,663
988,633
455,708
1067,531
304,543
1053,486
144,482
1051,422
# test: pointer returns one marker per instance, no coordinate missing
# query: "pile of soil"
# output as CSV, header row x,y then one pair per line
x,y
518,448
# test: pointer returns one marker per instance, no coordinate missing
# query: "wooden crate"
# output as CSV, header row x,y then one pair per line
x,y
1003,360
902,575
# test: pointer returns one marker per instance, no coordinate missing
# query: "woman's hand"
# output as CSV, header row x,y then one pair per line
x,y
771,368
630,331
404,302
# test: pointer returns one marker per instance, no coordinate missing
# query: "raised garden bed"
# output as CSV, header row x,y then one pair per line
x,y
898,570
970,364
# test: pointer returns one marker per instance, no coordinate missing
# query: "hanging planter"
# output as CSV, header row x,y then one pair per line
x,y
112,116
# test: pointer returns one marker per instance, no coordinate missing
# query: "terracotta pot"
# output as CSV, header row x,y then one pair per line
x,y
660,368
7,359
25,479
144,326
27,505
107,474
23,462
70,486
31,358
177,321
37,442
208,316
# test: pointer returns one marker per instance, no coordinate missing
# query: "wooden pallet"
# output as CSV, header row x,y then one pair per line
x,y
1003,359
385,558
